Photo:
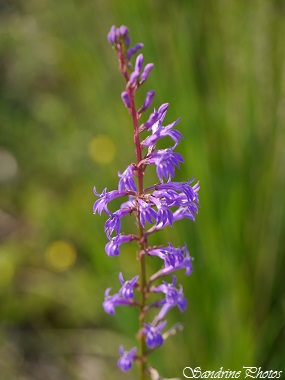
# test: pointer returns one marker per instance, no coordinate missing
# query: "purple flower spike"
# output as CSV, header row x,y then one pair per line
x,y
127,289
113,247
127,357
126,99
126,181
151,207
148,100
153,334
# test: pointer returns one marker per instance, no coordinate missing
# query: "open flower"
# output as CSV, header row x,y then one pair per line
x,y
146,212
159,131
110,302
156,115
127,179
173,297
127,289
104,198
153,334
165,161
174,259
126,359
114,221
113,247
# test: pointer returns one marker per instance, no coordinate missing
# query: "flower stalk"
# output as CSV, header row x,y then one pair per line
x,y
154,208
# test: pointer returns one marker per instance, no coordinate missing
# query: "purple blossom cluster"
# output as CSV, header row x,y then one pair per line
x,y
153,208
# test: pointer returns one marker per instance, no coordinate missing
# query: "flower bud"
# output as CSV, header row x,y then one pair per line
x,y
126,99
146,72
112,35
133,50
148,101
139,63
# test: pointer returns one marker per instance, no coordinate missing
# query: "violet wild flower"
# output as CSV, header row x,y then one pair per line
x,y
127,357
152,209
153,334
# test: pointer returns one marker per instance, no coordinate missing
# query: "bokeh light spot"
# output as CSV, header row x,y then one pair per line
x,y
6,271
102,149
8,165
61,255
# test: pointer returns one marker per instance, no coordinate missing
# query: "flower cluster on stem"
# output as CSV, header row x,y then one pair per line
x,y
153,208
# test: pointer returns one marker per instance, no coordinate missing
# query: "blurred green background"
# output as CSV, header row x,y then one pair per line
x,y
63,129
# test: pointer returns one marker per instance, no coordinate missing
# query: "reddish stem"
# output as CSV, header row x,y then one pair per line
x,y
142,237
